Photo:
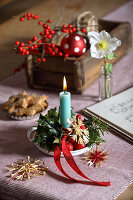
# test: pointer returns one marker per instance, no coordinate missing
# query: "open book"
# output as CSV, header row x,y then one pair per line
x,y
117,111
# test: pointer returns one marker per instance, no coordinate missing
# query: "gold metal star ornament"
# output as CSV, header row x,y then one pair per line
x,y
26,169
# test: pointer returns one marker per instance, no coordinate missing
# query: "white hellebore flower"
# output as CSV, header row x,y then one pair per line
x,y
102,44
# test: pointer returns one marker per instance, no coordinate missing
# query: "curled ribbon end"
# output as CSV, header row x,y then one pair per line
x,y
69,158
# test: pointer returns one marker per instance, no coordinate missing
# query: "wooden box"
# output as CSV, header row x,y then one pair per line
x,y
80,72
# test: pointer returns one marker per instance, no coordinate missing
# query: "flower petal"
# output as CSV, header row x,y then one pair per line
x,y
93,37
104,36
97,54
115,43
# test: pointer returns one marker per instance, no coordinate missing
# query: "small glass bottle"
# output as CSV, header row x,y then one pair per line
x,y
105,85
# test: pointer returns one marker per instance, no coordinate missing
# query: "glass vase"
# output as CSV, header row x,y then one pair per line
x,y
105,84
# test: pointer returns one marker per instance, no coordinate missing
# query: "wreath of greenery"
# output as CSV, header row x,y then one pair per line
x,y
49,130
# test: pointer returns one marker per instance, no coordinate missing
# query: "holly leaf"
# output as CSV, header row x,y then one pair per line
x,y
52,113
49,130
110,56
108,67
37,140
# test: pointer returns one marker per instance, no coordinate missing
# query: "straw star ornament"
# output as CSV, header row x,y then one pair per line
x,y
78,131
26,169
96,157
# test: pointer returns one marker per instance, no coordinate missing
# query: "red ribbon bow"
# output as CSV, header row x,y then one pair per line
x,y
70,160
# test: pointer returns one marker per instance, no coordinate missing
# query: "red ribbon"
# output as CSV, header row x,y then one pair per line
x,y
70,160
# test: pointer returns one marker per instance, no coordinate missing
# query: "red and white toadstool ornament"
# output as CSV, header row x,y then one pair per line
x,y
74,45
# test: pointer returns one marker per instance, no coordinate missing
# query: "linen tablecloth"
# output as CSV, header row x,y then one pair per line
x,y
14,145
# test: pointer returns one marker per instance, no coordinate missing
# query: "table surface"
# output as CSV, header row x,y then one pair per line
x,y
15,145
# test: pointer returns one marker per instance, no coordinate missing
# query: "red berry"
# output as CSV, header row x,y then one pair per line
x,y
39,41
50,50
27,52
66,55
49,36
22,44
32,47
34,38
64,26
79,146
32,15
44,59
70,31
35,45
25,16
82,127
48,27
17,42
49,21
21,19
38,59
56,49
47,32
42,33
44,25
63,30
40,23
20,48
60,53
29,18
52,45
69,146
74,29
24,50
53,53
28,14
83,30
29,42
36,17
78,116
70,26
52,32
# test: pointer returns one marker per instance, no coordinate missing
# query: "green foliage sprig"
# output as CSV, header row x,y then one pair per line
x,y
96,128
49,130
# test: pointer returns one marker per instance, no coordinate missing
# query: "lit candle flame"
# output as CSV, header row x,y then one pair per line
x,y
64,84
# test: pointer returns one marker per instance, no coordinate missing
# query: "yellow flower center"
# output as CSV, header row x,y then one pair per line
x,y
102,45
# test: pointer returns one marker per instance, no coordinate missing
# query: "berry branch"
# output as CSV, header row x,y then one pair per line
x,y
42,46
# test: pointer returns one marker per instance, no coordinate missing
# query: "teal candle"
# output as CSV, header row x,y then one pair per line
x,y
65,107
